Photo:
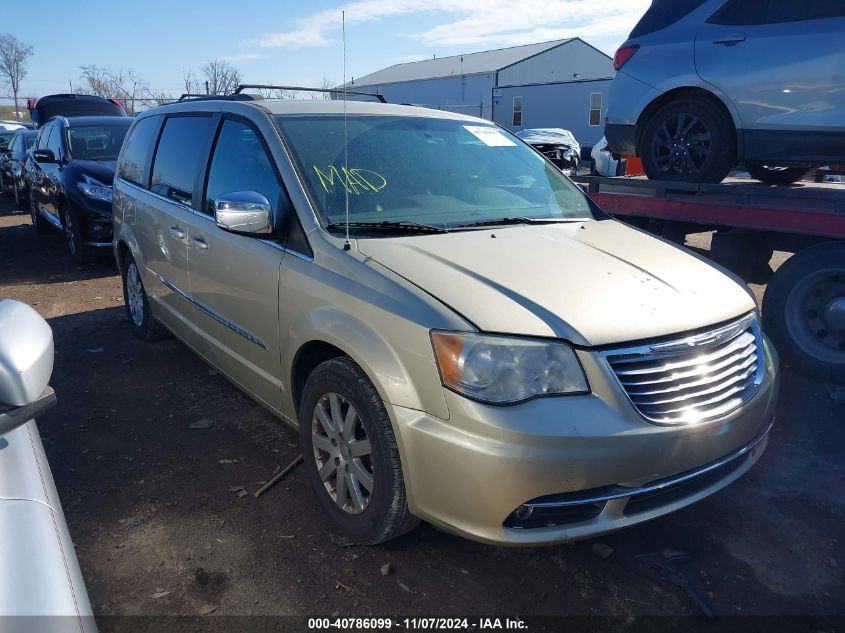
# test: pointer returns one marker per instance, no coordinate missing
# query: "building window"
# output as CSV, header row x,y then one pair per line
x,y
595,108
517,111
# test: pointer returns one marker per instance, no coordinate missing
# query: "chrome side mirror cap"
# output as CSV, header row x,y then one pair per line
x,y
26,363
246,212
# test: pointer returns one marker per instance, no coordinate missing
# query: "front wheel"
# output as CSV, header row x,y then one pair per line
x,y
775,175
690,140
350,454
38,222
804,310
76,249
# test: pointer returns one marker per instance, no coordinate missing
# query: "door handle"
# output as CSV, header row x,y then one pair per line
x,y
199,241
729,40
177,232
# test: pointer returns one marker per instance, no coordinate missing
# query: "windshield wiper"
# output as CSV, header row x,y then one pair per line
x,y
518,220
388,226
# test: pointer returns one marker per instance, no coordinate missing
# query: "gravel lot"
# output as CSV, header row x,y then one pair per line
x,y
160,528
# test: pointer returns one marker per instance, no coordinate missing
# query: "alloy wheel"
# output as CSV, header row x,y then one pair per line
x,y
70,232
682,144
343,453
135,294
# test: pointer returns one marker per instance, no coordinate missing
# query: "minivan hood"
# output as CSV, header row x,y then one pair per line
x,y
592,283
102,170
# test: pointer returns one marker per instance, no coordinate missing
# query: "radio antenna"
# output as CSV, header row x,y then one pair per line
x,y
346,245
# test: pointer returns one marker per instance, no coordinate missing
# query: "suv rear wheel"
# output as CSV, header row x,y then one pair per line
x,y
690,140
350,454
775,175
141,320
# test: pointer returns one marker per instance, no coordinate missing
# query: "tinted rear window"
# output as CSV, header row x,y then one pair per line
x,y
180,153
47,109
751,12
664,13
134,158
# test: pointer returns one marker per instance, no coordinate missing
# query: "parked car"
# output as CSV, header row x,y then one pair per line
x,y
42,576
69,179
702,85
603,162
478,345
12,162
71,105
556,144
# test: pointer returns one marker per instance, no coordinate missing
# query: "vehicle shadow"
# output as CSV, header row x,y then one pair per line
x,y
46,255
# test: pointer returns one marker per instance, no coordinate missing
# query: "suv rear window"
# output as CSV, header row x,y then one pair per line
x,y
180,153
48,107
751,12
134,160
664,13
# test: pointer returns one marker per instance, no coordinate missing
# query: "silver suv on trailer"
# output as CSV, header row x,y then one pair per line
x,y
702,85
479,347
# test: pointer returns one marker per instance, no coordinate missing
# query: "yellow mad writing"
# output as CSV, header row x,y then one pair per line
x,y
355,180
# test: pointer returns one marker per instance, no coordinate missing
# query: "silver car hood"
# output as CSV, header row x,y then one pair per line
x,y
592,283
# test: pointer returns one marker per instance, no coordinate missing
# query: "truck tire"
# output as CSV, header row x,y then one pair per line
x,y
689,140
775,175
747,255
804,311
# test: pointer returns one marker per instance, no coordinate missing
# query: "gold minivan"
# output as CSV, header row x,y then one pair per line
x,y
459,334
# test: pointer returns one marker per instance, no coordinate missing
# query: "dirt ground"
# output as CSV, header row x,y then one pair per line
x,y
159,527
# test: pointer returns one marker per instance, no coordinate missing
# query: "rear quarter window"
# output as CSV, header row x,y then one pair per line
x,y
134,164
179,156
664,13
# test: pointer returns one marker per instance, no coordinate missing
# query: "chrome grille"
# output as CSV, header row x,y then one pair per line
x,y
695,378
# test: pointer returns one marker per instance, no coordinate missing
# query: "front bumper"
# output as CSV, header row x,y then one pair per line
x,y
469,474
95,222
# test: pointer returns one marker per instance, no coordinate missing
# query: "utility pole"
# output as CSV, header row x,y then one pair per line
x,y
206,86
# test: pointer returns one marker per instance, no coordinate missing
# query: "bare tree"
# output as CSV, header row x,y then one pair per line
x,y
222,77
192,84
13,56
121,84
325,84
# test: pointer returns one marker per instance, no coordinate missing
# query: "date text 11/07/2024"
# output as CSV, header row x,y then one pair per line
x,y
418,624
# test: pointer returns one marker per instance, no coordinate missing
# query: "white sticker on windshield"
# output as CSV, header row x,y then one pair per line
x,y
490,136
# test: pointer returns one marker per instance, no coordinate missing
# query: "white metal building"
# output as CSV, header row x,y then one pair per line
x,y
563,83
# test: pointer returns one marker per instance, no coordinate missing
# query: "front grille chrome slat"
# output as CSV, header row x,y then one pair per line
x,y
692,379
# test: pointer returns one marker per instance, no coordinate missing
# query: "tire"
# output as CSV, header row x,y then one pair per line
x,y
776,175
804,311
41,227
141,320
73,240
691,140
370,516
593,170
745,254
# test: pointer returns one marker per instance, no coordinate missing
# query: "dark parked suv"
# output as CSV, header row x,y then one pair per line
x,y
70,174
12,162
45,108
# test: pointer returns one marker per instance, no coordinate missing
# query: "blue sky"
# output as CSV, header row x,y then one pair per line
x,y
289,42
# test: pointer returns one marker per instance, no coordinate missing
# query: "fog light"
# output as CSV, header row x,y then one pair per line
x,y
523,513
100,228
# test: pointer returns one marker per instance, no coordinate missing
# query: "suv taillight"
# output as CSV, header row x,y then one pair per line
x,y
623,55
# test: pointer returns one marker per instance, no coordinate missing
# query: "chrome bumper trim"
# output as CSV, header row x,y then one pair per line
x,y
619,492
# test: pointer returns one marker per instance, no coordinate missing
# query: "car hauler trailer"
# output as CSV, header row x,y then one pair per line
x,y
804,302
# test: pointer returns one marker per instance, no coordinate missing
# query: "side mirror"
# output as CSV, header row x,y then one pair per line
x,y
44,156
246,212
26,363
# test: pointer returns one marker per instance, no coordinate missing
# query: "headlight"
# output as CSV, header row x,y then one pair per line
x,y
505,370
95,189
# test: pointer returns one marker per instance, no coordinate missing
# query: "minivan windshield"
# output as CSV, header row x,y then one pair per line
x,y
425,171
96,142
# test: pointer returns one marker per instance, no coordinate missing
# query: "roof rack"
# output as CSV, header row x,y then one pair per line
x,y
336,91
188,96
